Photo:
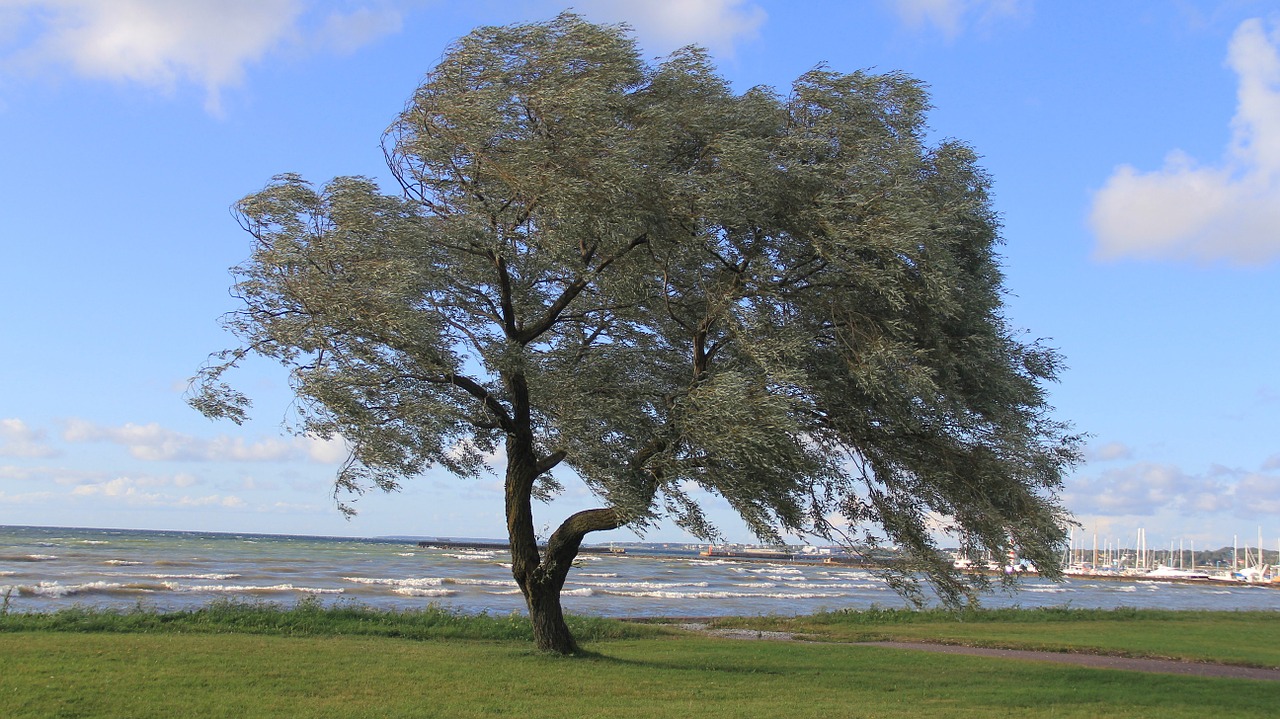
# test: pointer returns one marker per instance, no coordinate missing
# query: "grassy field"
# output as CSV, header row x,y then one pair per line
x,y
1242,638
244,661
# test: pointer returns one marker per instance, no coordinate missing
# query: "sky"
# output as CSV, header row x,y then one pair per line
x,y
1135,149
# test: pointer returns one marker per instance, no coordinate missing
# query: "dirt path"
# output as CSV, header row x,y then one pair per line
x,y
1095,661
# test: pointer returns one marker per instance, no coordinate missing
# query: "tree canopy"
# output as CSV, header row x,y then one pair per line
x,y
630,274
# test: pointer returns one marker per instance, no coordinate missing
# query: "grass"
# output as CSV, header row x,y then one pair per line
x,y
310,618
1241,638
261,660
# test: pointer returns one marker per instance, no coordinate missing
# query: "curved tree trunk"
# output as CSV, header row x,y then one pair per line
x,y
541,577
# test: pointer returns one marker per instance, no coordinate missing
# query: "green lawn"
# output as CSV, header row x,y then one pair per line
x,y
1243,638
50,674
308,662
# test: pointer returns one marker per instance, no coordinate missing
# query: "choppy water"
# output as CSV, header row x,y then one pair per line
x,y
44,569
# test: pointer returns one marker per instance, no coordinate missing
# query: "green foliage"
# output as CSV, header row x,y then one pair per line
x,y
630,271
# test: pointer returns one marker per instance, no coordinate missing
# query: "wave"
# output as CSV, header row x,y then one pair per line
x,y
420,592
657,594
252,589
28,557
56,590
394,582
481,582
605,575
215,577
406,554
123,562
643,585
470,555
1044,590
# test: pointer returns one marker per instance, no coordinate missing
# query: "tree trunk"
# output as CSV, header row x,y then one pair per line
x,y
550,632
543,593
541,576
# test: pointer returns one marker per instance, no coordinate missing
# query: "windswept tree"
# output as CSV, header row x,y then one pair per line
x,y
628,275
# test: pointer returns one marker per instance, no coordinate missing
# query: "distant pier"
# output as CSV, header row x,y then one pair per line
x,y
504,547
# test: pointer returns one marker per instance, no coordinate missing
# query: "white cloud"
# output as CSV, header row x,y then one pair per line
x,y
950,17
26,498
326,451
162,43
1108,452
1149,489
139,491
347,32
668,24
154,443
1225,212
19,440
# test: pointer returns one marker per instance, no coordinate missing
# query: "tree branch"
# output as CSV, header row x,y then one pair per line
x,y
549,462
573,290
565,541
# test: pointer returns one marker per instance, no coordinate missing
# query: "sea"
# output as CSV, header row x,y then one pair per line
x,y
45,569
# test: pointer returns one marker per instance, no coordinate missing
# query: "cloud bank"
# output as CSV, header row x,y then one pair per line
x,y
952,17
1149,488
154,443
1188,211
669,24
162,43
19,440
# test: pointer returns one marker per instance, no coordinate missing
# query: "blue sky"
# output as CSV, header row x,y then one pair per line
x,y
1135,148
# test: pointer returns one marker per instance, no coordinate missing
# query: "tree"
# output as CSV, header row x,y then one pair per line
x,y
634,273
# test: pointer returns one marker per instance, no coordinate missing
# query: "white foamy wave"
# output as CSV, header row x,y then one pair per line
x,y
605,575
397,582
655,594
775,570
1129,588
481,582
213,577
1220,591
252,589
838,585
420,592
755,585
406,554
644,585
42,557
470,555
56,590
122,562
585,592
1044,590
864,576
93,541
7,573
